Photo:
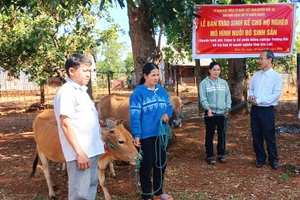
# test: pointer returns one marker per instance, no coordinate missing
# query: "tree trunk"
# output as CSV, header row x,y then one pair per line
x,y
237,79
298,80
237,83
141,31
42,90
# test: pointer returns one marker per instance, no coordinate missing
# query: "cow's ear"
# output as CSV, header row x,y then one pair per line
x,y
110,124
121,121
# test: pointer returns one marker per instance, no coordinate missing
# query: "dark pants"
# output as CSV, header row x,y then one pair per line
x,y
211,123
154,159
263,128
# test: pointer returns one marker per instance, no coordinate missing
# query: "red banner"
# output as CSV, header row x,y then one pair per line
x,y
244,30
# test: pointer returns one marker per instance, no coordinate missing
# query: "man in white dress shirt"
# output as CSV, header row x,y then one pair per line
x,y
264,90
79,129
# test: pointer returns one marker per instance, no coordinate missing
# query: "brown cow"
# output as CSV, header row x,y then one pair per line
x,y
117,106
118,140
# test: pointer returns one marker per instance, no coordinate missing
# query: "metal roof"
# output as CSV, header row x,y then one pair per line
x,y
203,62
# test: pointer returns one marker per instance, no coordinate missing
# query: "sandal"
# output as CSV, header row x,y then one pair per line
x,y
297,171
211,161
222,159
163,197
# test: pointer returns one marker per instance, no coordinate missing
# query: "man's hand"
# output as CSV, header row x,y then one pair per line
x,y
83,161
253,101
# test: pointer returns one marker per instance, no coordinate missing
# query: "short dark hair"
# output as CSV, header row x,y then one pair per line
x,y
148,67
270,54
75,60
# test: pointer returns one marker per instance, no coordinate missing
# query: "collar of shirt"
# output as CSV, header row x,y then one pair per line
x,y
268,71
76,85
215,81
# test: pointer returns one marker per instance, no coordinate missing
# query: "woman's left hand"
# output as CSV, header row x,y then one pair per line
x,y
226,113
165,118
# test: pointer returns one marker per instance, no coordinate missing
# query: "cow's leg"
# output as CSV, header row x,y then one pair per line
x,y
46,171
112,169
63,166
101,178
103,161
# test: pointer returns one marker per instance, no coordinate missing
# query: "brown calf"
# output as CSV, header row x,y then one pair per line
x,y
118,139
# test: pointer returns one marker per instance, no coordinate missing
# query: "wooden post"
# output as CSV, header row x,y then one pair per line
x,y
298,79
198,79
108,85
177,81
90,89
42,91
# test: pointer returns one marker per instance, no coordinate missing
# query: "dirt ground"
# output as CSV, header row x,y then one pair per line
x,y
187,177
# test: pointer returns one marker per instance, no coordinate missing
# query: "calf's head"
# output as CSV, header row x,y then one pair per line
x,y
177,108
119,143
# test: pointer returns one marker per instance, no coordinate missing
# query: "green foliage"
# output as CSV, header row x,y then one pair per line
x,y
117,2
109,61
172,56
178,31
38,36
297,40
129,66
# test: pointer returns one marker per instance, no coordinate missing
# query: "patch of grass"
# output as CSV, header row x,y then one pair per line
x,y
129,196
188,195
283,177
288,170
39,198
229,152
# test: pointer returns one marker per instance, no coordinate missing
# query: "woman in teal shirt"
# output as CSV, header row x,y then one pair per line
x,y
215,99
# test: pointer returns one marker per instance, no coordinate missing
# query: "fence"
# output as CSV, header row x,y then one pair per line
x,y
19,105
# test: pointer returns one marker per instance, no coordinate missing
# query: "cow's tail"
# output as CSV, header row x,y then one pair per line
x,y
35,162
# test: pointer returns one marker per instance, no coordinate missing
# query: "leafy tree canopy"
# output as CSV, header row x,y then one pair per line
x,y
38,36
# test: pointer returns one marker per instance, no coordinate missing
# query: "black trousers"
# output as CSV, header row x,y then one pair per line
x,y
263,128
153,164
211,123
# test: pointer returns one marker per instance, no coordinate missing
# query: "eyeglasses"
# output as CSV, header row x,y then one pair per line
x,y
261,58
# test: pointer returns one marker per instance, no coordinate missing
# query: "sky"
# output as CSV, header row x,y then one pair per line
x,y
121,18
298,16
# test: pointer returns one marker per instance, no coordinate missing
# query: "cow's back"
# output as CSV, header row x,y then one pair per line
x,y
46,136
115,106
177,104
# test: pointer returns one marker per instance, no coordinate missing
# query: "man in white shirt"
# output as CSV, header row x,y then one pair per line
x,y
79,129
264,91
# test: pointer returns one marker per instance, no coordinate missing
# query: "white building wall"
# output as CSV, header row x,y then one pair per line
x,y
8,83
